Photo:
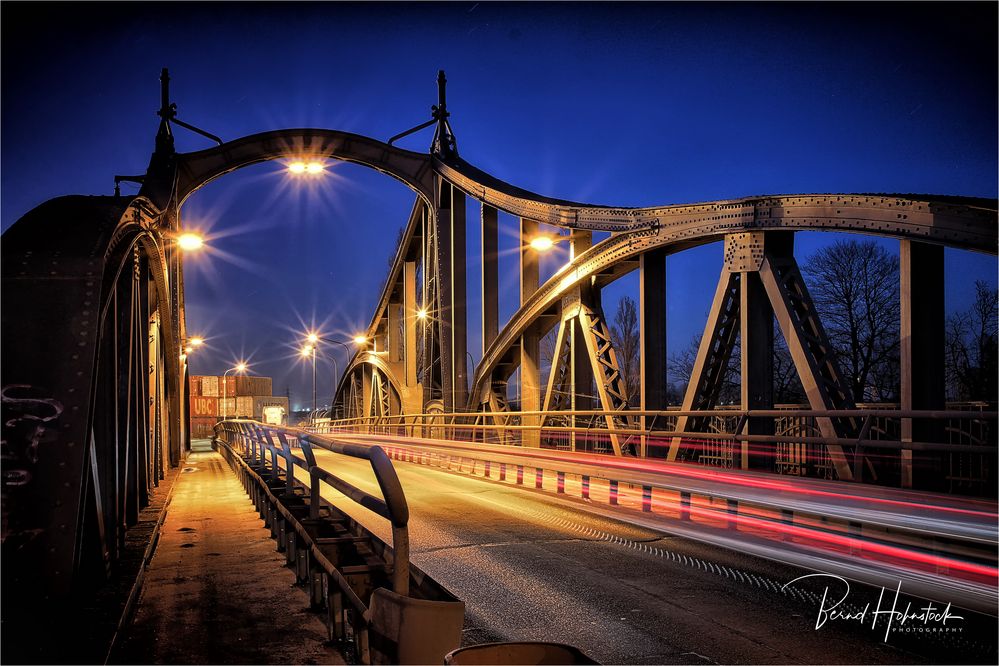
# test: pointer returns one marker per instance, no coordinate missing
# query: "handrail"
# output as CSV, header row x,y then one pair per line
x,y
451,420
255,438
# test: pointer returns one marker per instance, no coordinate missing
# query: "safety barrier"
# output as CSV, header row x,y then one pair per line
x,y
375,600
963,436
755,513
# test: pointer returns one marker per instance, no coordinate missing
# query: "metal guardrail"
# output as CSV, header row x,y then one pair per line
x,y
324,544
970,435
744,510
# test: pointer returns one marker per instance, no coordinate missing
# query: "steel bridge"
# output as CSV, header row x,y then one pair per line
x,y
94,393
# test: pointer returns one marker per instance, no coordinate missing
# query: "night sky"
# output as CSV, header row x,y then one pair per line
x,y
625,104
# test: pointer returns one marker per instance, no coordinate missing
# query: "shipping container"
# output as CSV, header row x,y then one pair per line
x,y
275,415
261,401
204,406
227,386
227,408
210,386
253,386
244,407
195,382
203,427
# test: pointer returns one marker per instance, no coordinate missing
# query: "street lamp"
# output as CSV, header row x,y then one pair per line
x,y
189,241
544,243
307,351
310,168
239,368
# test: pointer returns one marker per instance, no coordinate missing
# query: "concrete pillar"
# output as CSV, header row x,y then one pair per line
x,y
530,351
490,276
921,289
652,334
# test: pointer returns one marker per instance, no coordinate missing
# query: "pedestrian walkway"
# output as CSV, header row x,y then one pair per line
x,y
216,591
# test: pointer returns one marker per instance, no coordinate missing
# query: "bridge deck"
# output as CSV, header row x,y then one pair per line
x,y
216,591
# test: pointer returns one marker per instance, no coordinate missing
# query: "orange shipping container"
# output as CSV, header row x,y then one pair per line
x,y
202,428
253,386
204,406
210,386
195,381
227,386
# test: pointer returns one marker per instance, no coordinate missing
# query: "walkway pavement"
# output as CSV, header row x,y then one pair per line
x,y
216,591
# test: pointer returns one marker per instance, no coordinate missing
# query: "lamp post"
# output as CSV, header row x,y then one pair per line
x,y
313,340
239,368
307,351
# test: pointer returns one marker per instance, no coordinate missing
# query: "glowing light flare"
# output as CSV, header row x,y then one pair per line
x,y
422,313
306,351
313,338
241,367
542,243
311,168
360,339
190,241
196,342
188,349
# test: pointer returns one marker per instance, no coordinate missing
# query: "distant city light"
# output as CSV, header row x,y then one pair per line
x,y
189,241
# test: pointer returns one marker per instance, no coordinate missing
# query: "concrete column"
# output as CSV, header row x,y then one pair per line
x,y
410,308
921,289
652,334
490,276
530,351
756,336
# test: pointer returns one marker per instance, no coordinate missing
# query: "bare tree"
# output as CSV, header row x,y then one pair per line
x,y
854,285
787,383
971,348
624,333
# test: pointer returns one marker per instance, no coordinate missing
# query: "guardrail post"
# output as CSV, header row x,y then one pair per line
x,y
646,498
539,477
560,486
684,505
502,472
520,475
613,492
586,487
488,470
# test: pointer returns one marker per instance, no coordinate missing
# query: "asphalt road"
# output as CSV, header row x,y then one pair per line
x,y
530,567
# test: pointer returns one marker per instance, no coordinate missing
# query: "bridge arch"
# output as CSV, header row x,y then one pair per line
x,y
196,169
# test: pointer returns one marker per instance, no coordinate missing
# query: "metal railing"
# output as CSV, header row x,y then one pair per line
x,y
965,437
945,552
322,542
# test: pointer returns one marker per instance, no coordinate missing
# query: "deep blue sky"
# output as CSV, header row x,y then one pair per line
x,y
629,104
